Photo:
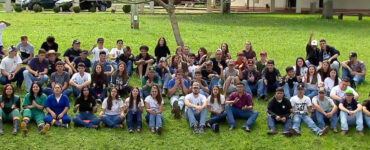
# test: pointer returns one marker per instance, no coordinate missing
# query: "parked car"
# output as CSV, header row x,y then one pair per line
x,y
49,4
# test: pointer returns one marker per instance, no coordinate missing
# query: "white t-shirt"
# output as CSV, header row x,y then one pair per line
x,y
192,70
311,86
2,27
78,79
325,104
134,107
216,106
114,52
116,106
338,92
153,104
329,83
195,100
303,70
10,64
300,105
96,51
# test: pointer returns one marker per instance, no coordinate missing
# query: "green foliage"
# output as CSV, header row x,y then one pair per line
x,y
66,6
126,8
56,9
113,11
76,9
92,9
37,9
17,8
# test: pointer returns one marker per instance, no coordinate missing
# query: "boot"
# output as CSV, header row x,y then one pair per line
x,y
44,128
55,123
24,125
1,127
15,126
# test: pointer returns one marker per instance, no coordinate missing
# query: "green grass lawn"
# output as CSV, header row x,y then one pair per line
x,y
284,37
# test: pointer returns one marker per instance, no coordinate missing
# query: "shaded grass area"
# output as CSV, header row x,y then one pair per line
x,y
283,36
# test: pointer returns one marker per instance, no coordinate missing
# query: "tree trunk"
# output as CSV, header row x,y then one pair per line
x,y
134,16
225,6
8,6
327,12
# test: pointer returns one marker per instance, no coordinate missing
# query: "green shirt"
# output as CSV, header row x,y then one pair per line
x,y
40,100
15,100
143,83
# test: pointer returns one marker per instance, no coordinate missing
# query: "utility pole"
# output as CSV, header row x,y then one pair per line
x,y
134,15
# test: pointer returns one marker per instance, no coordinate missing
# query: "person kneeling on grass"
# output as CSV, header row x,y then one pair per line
x,y
154,105
216,106
350,113
9,108
240,105
33,105
196,110
57,106
134,108
279,110
323,112
301,106
87,106
113,110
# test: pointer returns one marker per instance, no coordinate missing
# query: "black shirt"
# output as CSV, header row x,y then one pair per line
x,y
125,58
72,54
161,51
290,81
329,51
51,67
86,105
205,74
312,55
215,65
274,108
255,73
350,106
46,47
366,104
270,76
87,63
250,54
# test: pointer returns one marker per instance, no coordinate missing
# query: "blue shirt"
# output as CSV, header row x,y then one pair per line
x,y
52,103
36,65
178,92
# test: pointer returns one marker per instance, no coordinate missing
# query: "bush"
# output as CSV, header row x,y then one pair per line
x,y
56,9
66,6
37,9
92,9
126,8
113,11
18,8
76,9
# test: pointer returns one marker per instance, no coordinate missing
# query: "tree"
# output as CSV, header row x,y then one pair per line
x,y
170,8
225,6
327,12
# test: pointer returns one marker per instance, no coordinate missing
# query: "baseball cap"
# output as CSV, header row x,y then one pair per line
x,y
352,54
264,53
196,84
321,90
348,92
76,41
100,40
12,48
151,68
240,53
209,63
250,62
314,43
162,59
84,51
300,86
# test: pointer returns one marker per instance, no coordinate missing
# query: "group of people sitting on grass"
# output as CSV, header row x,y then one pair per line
x,y
195,84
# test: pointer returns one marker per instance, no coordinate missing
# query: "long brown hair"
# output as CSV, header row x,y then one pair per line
x,y
5,97
218,96
314,75
98,78
132,98
110,98
123,74
322,72
158,97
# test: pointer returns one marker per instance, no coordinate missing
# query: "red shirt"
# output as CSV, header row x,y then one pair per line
x,y
240,63
245,99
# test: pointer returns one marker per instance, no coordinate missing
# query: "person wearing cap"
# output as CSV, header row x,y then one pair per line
x,y
162,50
261,64
72,53
269,81
178,87
301,107
36,70
249,53
241,62
128,58
337,93
239,105
149,80
3,25
354,69
26,49
366,111
218,62
279,110
196,109
350,113
289,82
11,68
79,80
209,74
312,52
49,44
116,52
164,73
82,59
250,78
59,77
323,112
330,54
230,77
203,83
144,61
53,58
97,49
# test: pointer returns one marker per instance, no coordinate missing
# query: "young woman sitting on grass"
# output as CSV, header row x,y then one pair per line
x,y
120,79
216,106
154,105
87,106
311,80
134,108
99,83
9,108
113,111
57,106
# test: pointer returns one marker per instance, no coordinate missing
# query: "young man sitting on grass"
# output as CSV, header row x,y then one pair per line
x,y
350,113
196,111
270,80
80,79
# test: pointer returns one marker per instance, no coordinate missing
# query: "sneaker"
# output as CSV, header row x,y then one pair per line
x,y
208,125
138,130
96,127
361,133
201,129
335,130
344,132
215,127
323,131
24,127
231,128
159,130
247,129
152,130
288,133
272,132
176,110
195,129
295,132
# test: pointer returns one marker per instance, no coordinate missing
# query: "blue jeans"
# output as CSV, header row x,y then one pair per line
x,y
195,118
18,77
180,101
95,93
346,119
289,92
111,121
263,88
165,81
335,65
367,120
76,92
29,78
217,118
214,81
155,120
48,91
356,78
250,88
321,119
310,93
80,117
201,91
307,120
272,121
234,112
132,117
129,67
65,119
